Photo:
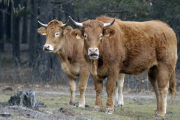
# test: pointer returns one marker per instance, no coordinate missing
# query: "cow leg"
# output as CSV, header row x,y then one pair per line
x,y
152,75
118,94
163,76
110,86
120,86
72,84
98,88
115,97
84,75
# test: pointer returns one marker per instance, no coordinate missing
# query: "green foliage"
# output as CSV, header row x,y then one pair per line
x,y
6,2
18,9
56,1
123,9
160,10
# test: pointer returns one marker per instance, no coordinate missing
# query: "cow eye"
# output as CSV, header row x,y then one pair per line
x,y
101,36
57,34
85,36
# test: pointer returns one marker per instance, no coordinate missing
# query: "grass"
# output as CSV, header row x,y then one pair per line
x,y
134,109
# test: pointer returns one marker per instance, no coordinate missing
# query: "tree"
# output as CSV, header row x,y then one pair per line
x,y
8,24
15,33
24,32
1,28
41,67
63,9
33,32
122,9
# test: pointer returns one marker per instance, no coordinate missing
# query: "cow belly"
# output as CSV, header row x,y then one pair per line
x,y
134,70
136,67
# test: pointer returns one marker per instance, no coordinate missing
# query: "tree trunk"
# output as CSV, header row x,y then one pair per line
x,y
69,11
8,25
33,32
0,74
41,68
15,34
24,32
1,29
24,99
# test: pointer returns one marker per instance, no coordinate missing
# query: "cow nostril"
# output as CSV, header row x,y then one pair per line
x,y
96,49
46,47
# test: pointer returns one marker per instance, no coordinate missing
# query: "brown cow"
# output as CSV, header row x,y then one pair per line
x,y
112,46
68,45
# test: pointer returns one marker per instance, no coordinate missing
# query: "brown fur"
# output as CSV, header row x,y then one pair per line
x,y
132,48
69,48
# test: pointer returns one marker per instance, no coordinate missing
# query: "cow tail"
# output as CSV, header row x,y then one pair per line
x,y
172,86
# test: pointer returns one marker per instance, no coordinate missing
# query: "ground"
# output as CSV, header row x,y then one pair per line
x,y
138,106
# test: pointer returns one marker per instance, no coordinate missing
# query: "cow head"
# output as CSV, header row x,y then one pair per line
x,y
55,32
94,32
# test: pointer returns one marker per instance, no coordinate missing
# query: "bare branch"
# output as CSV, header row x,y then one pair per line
x,y
4,11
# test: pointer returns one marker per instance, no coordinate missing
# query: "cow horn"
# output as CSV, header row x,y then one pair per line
x,y
45,25
76,23
108,24
63,25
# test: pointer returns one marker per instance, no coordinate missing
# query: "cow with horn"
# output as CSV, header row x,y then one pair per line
x,y
113,47
66,42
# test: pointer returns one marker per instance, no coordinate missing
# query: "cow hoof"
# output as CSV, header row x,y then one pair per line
x,y
120,105
74,104
158,117
167,112
109,112
81,106
96,110
87,106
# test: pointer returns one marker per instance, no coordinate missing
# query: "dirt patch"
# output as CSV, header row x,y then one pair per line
x,y
68,111
13,111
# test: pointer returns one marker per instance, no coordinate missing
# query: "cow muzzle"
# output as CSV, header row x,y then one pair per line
x,y
93,53
48,48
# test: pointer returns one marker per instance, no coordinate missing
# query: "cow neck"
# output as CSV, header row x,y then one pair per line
x,y
63,56
93,67
62,50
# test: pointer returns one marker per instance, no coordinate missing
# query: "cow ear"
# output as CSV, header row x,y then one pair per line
x,y
67,29
42,30
77,33
108,32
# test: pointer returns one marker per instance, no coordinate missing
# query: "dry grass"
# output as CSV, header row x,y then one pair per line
x,y
137,106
